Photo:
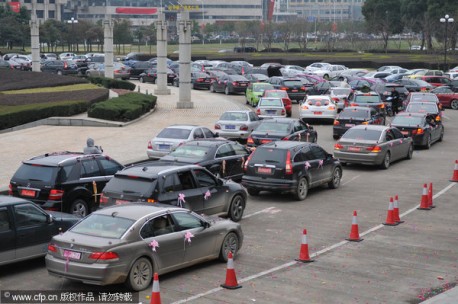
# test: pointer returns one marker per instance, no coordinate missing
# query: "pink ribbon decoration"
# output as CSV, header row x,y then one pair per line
x,y
320,163
67,261
207,195
154,244
224,167
400,141
243,161
307,165
391,144
299,136
187,237
181,200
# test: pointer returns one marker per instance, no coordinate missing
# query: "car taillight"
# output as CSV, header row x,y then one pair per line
x,y
109,255
116,71
303,88
10,189
438,118
304,107
375,149
55,195
365,123
338,147
284,88
332,108
288,165
200,80
150,145
243,128
335,99
65,65
283,112
52,248
418,131
381,106
353,104
336,122
258,111
245,165
103,199
235,83
250,140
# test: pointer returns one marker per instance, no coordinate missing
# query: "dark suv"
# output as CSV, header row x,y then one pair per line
x,y
293,86
292,167
190,186
64,181
367,99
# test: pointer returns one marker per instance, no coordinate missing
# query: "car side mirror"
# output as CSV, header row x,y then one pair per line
x,y
216,134
49,219
206,224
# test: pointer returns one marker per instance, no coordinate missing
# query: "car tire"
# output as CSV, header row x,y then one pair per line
x,y
429,142
142,80
441,137
212,89
335,179
140,275
335,136
253,192
154,80
79,207
59,72
300,193
344,164
236,208
288,114
230,243
454,104
226,90
386,161
410,152
246,100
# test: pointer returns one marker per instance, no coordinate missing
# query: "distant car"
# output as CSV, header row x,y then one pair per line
x,y
340,97
435,81
293,86
199,80
256,77
284,97
127,244
421,127
425,107
282,129
385,89
237,124
139,67
317,107
353,116
66,56
230,84
173,136
150,75
26,229
415,85
5,65
270,107
447,97
373,145
367,99
294,167
60,67
223,158
120,70
316,66
422,97
254,91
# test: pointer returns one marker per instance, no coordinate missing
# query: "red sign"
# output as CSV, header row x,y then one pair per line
x,y
15,6
136,10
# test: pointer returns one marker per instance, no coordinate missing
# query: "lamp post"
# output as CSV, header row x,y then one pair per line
x,y
446,20
72,21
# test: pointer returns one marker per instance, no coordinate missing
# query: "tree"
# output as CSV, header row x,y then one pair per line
x,y
50,33
286,29
121,33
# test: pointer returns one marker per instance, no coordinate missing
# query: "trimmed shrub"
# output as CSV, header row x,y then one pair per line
x,y
18,80
90,96
123,108
110,83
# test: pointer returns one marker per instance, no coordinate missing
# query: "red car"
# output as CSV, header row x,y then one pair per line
x,y
447,97
284,97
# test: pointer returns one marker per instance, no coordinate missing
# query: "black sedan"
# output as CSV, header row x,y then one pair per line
x,y
423,128
230,84
281,129
150,75
199,80
224,158
26,229
60,67
353,116
140,67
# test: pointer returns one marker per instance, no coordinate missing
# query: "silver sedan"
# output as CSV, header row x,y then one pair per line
x,y
127,244
270,107
237,124
373,145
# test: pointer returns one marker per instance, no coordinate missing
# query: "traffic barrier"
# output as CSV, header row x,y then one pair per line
x,y
396,210
354,233
231,280
455,173
430,196
155,294
389,216
304,256
424,204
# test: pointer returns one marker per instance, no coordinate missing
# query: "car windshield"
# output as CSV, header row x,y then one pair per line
x,y
422,108
424,97
234,116
362,134
36,173
367,98
175,133
274,127
103,226
292,83
191,151
270,102
407,121
353,113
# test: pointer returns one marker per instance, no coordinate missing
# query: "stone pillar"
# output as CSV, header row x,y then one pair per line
x,y
184,30
35,37
108,46
161,26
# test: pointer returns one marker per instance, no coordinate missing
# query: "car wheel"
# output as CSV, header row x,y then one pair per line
x,y
142,80
140,275
253,192
335,136
302,188
386,161
410,152
454,104
428,142
79,207
441,137
59,72
154,80
336,177
315,140
230,243
212,89
344,164
246,100
288,114
226,90
236,208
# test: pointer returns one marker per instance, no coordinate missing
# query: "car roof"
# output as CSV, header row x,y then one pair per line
x,y
136,211
6,200
412,114
285,144
280,120
371,127
207,142
56,158
150,171
189,127
356,108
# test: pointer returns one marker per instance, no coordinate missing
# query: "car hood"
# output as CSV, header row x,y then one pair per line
x,y
63,217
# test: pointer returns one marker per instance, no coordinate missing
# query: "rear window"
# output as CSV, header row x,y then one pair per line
x,y
261,87
353,113
271,102
273,127
268,155
424,97
234,116
103,226
367,98
131,186
36,173
292,83
191,151
341,91
427,107
362,134
174,133
276,94
407,121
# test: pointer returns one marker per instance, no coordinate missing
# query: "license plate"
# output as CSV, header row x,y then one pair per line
x,y
230,127
405,132
243,84
349,125
265,141
317,113
354,149
164,147
264,170
294,91
271,111
121,202
29,193
72,254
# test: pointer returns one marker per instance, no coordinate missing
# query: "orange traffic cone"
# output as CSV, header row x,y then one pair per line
x,y
455,173
396,210
304,253
354,233
231,280
424,204
430,196
155,294
389,216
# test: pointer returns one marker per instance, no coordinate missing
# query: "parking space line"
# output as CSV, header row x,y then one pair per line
x,y
258,212
351,179
289,264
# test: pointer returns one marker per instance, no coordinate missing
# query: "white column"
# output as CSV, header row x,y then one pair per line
x,y
35,42
184,28
108,46
161,26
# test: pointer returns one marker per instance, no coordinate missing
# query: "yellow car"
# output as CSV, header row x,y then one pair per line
x,y
255,91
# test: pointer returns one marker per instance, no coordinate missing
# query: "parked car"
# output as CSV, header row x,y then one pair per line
x,y
435,81
330,71
26,229
287,103
367,99
373,145
425,107
415,85
139,67
237,124
340,97
66,56
199,80
120,70
447,97
385,89
353,116
223,158
422,97
294,167
5,65
421,127
282,129
188,186
64,181
256,77
150,75
230,84
126,244
293,86
254,91
317,107
270,107
60,67
171,137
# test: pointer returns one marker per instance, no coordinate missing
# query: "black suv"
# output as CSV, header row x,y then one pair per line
x,y
367,99
290,166
353,116
64,181
293,86
190,186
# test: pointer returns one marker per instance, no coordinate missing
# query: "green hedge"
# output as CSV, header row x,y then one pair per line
x,y
123,108
23,114
110,83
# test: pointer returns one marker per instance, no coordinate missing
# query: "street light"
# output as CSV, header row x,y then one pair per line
x,y
72,21
446,20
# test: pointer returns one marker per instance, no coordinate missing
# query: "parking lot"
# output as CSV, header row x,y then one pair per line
x,y
397,264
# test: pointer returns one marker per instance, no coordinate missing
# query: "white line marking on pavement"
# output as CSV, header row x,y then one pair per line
x,y
258,212
352,179
259,274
